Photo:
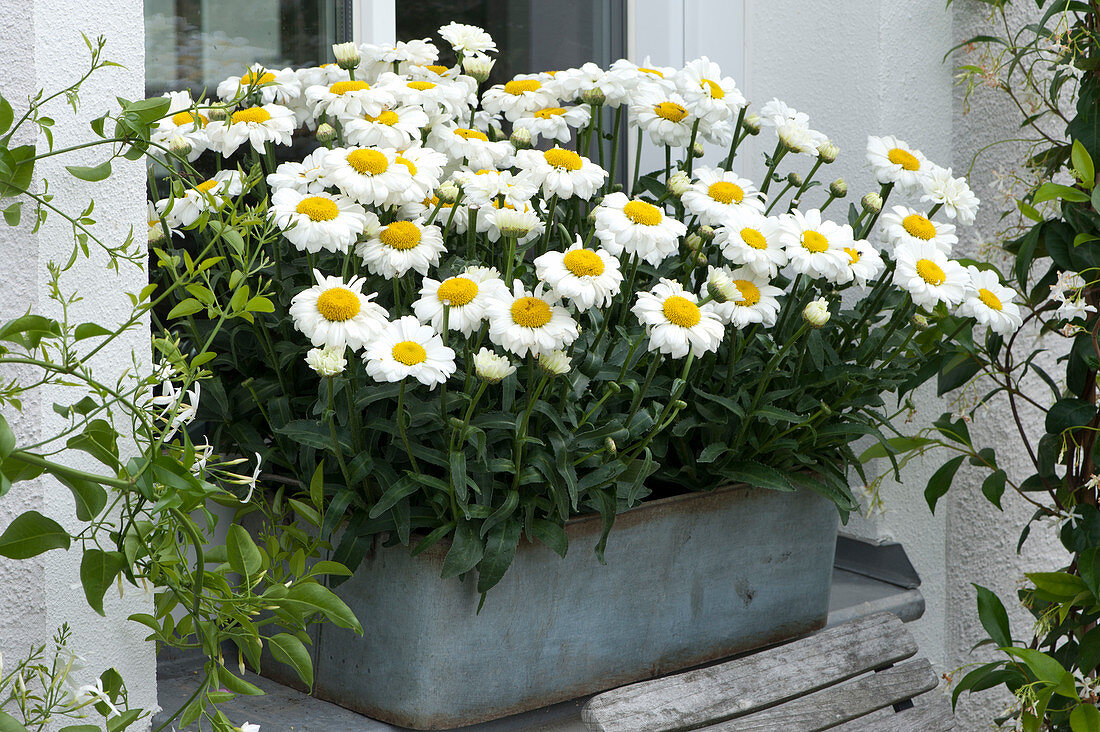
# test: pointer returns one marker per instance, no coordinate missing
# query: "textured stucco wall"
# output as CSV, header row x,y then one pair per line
x,y
40,46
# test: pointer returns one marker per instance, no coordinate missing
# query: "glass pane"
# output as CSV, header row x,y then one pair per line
x,y
194,44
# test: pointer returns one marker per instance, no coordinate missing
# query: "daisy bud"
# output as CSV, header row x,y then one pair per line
x,y
610,446
699,259
492,368
478,65
156,232
179,146
679,404
326,361
594,96
521,138
838,188
448,192
697,150
555,363
693,242
679,183
706,232
919,321
872,202
347,55
794,179
326,133
720,286
752,124
216,114
816,313
516,224
828,152
592,215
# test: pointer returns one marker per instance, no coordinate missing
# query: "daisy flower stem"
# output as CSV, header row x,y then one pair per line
x,y
668,413
777,199
769,370
736,137
451,218
613,170
435,212
469,413
828,200
932,211
632,270
668,162
629,355
521,435
510,257
780,151
402,427
690,154
637,163
471,233
791,304
606,394
807,180
331,414
552,210
654,362
884,193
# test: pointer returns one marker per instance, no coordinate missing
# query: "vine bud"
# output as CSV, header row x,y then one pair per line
x,y
326,133
872,202
839,189
828,153
594,96
521,138
816,313
679,183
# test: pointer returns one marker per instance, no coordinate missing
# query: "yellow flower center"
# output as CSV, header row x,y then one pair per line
x,y
368,162
681,311
754,238
186,118
726,193
919,226
421,85
750,293
457,291
318,209
853,254
654,72
407,163
515,87
437,69
257,115
563,159
338,304
716,91
400,235
904,158
641,212
549,112
409,353
670,111
206,186
249,79
467,134
814,242
583,263
530,312
387,117
990,300
930,272
343,87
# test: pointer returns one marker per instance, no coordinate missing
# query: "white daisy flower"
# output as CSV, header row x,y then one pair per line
x,y
473,145
554,123
904,225
704,89
929,276
561,172
312,222
631,75
333,313
675,323
749,238
442,100
327,361
256,125
893,161
426,167
864,264
815,246
525,322
371,176
380,58
517,98
156,233
396,128
466,295
990,303
953,194
345,99
755,302
307,176
587,278
637,228
210,195
663,114
555,363
184,122
467,38
491,367
792,127
273,86
483,187
401,246
718,193
407,348
523,223
571,84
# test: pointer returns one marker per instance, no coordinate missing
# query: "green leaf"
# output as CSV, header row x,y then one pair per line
x,y
892,446
1068,414
993,616
93,174
403,487
16,169
90,330
260,304
940,481
311,597
1029,211
9,724
1084,717
500,550
287,649
993,487
1062,585
317,486
1088,564
90,497
1082,164
243,554
13,213
7,116
551,534
7,439
99,440
98,570
236,684
29,330
190,306
466,550
1088,651
757,475
1050,191
30,534
80,728
1043,666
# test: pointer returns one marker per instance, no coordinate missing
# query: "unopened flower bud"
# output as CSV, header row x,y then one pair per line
x,y
448,192
679,404
697,150
693,242
919,321
491,367
594,96
555,362
828,152
521,138
610,446
456,423
326,362
478,65
839,189
699,259
721,286
347,55
816,313
592,215
872,202
679,183
794,179
326,133
752,124
178,145
706,232
216,114
516,224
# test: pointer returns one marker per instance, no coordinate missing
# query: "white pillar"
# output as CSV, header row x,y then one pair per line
x,y
41,47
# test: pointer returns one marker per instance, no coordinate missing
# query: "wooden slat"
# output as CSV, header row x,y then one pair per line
x,y
838,704
931,713
735,688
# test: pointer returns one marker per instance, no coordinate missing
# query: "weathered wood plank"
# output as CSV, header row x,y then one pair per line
x,y
766,678
931,713
838,704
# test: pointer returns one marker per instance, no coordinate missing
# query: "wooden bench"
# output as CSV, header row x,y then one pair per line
x,y
850,678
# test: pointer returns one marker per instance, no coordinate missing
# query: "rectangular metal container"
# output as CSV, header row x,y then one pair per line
x,y
688,579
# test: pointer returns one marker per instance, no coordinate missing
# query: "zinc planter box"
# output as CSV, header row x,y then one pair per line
x,y
688,579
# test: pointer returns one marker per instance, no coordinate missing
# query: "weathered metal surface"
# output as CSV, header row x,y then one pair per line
x,y
688,579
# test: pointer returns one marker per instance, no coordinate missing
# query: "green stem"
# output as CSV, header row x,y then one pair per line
x,y
780,151
401,428
736,135
691,145
637,164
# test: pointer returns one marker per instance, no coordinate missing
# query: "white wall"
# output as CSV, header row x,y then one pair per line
x,y
40,46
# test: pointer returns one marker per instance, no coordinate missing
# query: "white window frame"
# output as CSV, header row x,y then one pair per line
x,y
374,21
